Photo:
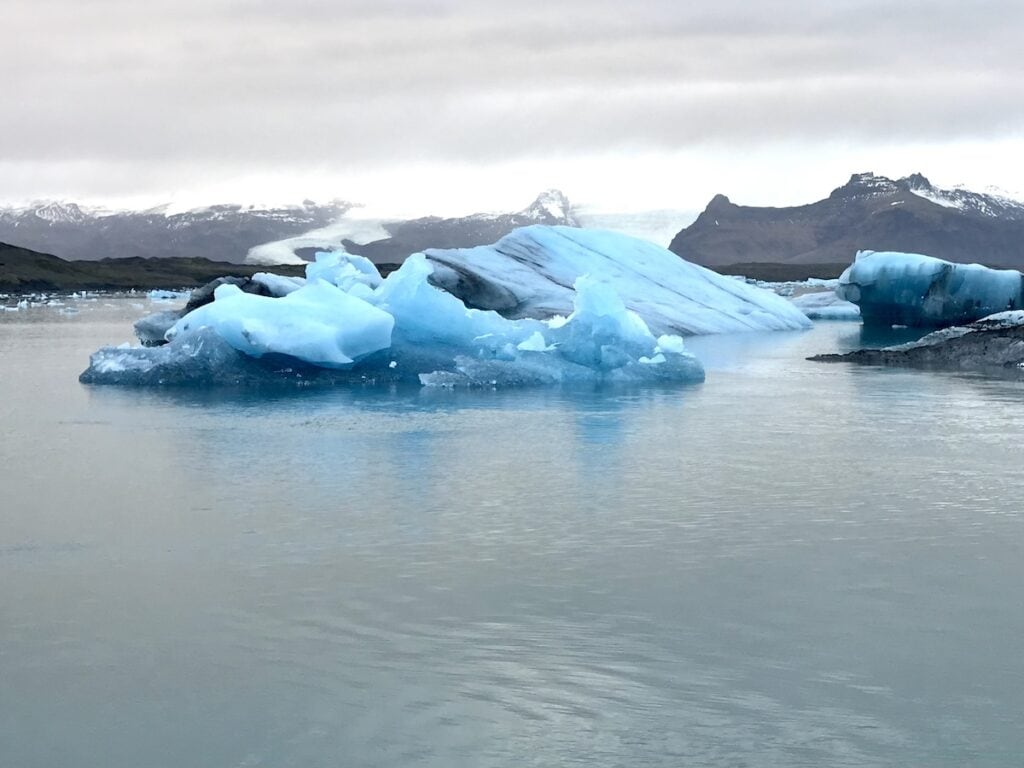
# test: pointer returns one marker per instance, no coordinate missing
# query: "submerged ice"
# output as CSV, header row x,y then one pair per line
x,y
593,307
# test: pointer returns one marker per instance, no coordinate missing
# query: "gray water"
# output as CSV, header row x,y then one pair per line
x,y
793,564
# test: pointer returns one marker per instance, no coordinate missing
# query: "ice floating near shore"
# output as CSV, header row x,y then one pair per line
x,y
613,322
825,305
915,290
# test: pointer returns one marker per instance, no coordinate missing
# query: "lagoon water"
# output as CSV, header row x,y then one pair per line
x,y
792,564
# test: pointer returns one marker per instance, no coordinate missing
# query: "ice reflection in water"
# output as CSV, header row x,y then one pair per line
x,y
792,564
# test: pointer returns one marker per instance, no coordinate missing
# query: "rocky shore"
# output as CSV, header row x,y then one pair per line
x,y
994,344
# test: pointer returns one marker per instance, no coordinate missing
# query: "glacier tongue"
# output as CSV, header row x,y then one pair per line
x,y
588,307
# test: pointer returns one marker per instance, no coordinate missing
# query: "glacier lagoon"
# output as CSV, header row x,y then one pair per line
x,y
790,564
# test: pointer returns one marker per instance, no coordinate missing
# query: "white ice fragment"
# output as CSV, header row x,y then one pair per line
x,y
343,270
535,343
826,305
673,344
658,359
162,295
318,323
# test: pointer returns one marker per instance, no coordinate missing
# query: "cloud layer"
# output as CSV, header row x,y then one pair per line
x,y
156,91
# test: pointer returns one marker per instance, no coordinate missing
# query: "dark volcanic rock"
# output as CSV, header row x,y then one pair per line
x,y
994,344
204,294
868,213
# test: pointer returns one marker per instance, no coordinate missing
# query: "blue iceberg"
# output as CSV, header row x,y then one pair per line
x,y
577,307
921,291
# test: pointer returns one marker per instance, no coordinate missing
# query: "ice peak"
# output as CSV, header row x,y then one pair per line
x,y
917,181
866,183
54,212
551,207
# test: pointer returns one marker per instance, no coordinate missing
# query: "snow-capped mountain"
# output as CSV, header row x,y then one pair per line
x,y
869,212
550,207
868,185
55,212
387,241
218,232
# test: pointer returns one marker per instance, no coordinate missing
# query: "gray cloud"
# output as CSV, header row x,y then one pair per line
x,y
253,84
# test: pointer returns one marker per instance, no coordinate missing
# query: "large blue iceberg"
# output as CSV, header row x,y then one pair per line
x,y
576,306
921,291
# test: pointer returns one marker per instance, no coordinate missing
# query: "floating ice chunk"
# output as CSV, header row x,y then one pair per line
x,y
657,359
601,333
197,358
318,323
673,344
161,295
343,270
600,342
826,305
915,290
534,343
427,316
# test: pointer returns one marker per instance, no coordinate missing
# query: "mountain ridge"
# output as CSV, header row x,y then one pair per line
x,y
869,212
222,232
551,207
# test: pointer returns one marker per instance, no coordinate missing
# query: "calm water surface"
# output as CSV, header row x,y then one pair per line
x,y
793,564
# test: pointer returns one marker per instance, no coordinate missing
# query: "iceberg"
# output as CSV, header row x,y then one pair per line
x,y
531,273
921,291
593,308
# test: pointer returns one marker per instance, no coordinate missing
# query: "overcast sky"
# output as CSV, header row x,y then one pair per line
x,y
446,105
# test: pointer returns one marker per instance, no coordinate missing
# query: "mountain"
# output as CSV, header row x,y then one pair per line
x,y
413,235
23,270
869,212
219,232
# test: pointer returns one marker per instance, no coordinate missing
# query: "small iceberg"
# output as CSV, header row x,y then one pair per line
x,y
826,305
924,292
